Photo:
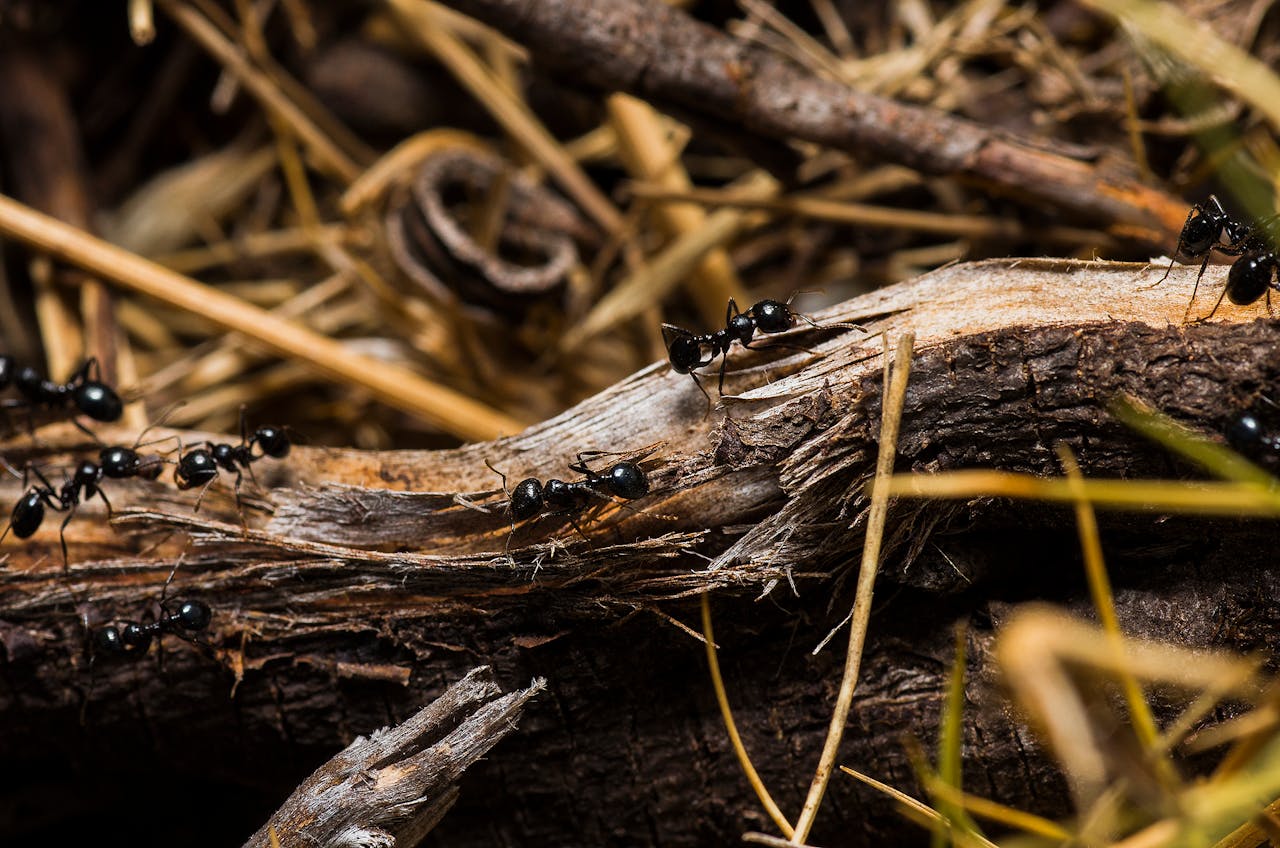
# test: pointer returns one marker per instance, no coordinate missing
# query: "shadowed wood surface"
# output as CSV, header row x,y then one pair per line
x,y
364,581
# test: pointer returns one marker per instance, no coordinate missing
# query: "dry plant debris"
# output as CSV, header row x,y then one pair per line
x,y
406,226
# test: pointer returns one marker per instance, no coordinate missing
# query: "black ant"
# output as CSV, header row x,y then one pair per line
x,y
531,497
687,350
1253,275
90,397
200,466
1204,231
115,462
191,617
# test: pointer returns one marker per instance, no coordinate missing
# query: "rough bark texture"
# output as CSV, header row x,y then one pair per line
x,y
373,584
392,787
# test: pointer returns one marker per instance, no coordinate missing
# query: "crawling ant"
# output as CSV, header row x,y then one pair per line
x,y
1208,228
200,466
190,618
1253,275
115,462
79,394
687,350
531,497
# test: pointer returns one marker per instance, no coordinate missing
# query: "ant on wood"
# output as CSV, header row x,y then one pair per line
x,y
80,393
1253,275
1210,228
114,462
531,497
200,466
191,617
132,637
690,351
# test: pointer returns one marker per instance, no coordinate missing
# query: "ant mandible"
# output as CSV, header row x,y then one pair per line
x,y
686,349
531,497
191,617
200,466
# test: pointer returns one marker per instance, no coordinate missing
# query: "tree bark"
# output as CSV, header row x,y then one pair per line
x,y
376,577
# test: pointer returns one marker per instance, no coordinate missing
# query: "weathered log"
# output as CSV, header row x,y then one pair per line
x,y
379,575
392,787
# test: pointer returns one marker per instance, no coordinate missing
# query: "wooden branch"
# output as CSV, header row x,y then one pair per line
x,y
392,787
1024,351
661,54
363,578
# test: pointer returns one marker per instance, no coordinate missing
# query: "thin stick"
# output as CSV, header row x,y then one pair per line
x,y
646,152
869,215
895,390
1191,498
1104,603
722,699
397,387
327,154
142,24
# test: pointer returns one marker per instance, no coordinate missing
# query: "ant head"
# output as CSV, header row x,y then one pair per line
x,y
195,468
98,401
274,441
742,327
627,480
526,498
685,353
194,615
772,317
119,462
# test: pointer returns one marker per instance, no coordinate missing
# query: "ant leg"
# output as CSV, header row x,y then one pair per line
x,y
731,311
507,548
698,383
160,419
574,522
103,495
62,538
239,505
1177,251
1212,311
724,363
200,497
75,422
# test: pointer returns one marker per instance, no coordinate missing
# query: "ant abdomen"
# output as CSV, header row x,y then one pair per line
x,y
526,499
98,401
28,514
1250,277
274,441
627,480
